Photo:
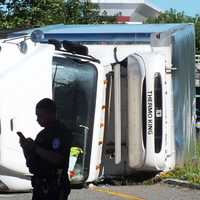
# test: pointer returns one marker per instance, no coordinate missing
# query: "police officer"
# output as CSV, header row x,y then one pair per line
x,y
48,156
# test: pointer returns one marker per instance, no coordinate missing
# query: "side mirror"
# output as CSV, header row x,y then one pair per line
x,y
37,36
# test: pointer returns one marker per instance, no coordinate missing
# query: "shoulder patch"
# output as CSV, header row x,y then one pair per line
x,y
56,143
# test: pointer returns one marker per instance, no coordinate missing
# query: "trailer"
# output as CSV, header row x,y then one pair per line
x,y
128,92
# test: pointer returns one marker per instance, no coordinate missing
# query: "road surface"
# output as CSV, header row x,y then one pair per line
x,y
158,191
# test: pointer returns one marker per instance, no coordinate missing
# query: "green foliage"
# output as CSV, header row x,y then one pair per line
x,y
27,13
197,31
81,12
172,16
46,12
189,172
85,12
32,13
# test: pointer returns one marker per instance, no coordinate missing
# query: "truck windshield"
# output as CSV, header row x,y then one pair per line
x,y
74,91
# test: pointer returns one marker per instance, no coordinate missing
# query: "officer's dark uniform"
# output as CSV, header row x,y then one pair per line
x,y
50,182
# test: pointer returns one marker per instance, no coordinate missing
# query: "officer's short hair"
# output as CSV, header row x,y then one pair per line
x,y
47,104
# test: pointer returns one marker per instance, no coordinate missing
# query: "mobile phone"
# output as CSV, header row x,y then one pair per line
x,y
20,135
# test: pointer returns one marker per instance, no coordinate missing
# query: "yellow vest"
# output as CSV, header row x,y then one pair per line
x,y
75,151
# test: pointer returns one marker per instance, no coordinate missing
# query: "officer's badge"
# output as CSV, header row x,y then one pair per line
x,y
56,143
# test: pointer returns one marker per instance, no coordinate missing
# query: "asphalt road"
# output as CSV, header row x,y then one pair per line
x,y
135,192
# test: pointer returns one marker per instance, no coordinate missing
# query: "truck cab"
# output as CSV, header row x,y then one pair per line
x,y
126,91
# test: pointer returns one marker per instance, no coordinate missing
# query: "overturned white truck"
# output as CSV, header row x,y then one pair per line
x,y
127,90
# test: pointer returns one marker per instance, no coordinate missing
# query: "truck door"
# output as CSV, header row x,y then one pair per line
x,y
79,91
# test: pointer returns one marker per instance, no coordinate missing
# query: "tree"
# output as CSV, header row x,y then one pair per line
x,y
85,12
44,12
197,31
31,13
172,16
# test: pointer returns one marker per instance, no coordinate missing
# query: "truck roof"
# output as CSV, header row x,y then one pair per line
x,y
104,32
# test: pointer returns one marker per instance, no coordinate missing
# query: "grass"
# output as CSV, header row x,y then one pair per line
x,y
189,172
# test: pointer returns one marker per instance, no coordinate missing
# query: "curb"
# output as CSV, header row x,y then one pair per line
x,y
177,182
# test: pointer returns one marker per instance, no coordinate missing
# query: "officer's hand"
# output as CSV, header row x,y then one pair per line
x,y
27,144
22,141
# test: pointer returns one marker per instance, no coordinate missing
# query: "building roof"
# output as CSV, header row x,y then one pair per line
x,y
138,10
134,2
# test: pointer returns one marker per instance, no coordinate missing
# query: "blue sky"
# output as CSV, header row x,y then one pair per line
x,y
190,7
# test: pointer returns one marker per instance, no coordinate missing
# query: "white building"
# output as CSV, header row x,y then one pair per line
x,y
129,10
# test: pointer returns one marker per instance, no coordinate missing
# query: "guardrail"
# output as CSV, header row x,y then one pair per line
x,y
197,59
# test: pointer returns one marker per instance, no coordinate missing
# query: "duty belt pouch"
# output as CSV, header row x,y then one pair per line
x,y
63,183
